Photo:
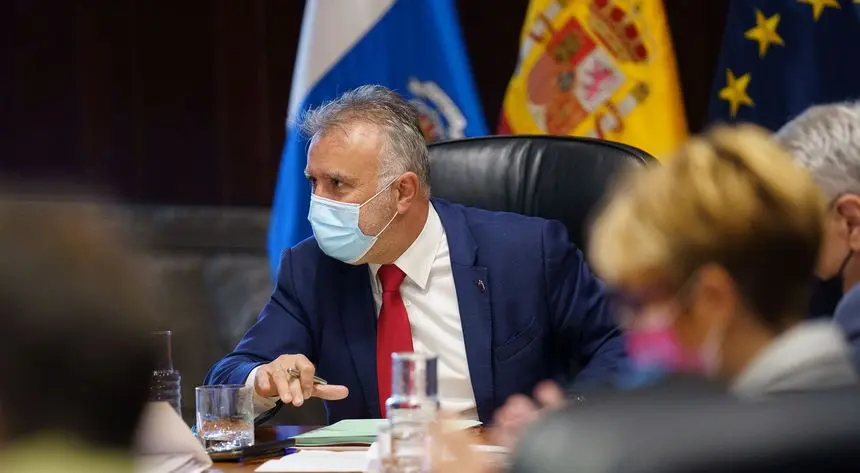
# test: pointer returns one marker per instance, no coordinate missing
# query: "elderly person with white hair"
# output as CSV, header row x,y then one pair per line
x,y
825,139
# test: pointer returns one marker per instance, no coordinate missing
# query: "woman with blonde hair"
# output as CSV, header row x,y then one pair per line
x,y
712,256
711,259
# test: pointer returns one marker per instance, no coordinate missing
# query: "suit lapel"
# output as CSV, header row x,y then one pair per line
x,y
473,297
358,313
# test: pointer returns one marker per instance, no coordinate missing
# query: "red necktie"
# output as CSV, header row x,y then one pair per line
x,y
393,333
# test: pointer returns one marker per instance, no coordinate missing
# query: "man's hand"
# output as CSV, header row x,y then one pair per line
x,y
520,411
273,380
453,451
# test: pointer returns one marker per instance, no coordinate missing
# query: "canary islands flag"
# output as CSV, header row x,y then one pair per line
x,y
781,56
412,46
597,68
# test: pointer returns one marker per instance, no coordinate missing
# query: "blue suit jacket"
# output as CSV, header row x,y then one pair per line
x,y
847,317
538,311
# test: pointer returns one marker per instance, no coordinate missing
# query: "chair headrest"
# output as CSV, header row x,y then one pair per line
x,y
698,434
554,177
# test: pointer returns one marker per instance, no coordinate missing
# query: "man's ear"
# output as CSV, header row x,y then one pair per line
x,y
848,208
408,188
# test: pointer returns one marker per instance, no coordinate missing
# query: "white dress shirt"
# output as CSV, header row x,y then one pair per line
x,y
430,298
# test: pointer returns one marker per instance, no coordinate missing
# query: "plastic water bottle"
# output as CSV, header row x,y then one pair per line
x,y
166,382
412,407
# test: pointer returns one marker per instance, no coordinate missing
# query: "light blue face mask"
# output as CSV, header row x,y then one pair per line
x,y
336,229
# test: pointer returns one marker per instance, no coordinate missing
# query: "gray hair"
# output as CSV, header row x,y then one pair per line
x,y
404,149
825,139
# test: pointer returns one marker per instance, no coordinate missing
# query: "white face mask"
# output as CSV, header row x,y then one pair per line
x,y
655,338
336,230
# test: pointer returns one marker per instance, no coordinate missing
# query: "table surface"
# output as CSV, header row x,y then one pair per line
x,y
269,434
261,435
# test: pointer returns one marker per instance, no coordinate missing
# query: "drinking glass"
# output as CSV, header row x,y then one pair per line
x,y
166,383
225,416
414,386
412,407
384,463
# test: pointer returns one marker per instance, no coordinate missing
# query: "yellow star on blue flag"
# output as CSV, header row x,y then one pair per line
x,y
818,6
781,56
764,32
735,92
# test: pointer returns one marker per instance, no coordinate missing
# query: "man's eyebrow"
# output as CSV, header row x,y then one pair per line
x,y
336,175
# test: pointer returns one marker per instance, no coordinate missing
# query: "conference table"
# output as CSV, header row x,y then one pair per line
x,y
261,435
272,433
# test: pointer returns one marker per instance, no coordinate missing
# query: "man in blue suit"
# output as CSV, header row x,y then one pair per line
x,y
503,300
825,140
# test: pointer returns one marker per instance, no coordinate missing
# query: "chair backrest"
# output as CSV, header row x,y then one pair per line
x,y
553,177
697,432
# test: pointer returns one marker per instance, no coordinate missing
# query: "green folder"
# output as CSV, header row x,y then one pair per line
x,y
357,432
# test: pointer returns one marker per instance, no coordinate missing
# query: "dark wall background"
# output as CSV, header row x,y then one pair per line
x,y
183,102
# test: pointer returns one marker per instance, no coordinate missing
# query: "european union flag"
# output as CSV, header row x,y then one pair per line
x,y
412,46
780,57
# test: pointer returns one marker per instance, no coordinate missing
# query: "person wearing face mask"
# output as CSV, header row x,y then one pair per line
x,y
752,263
503,300
825,140
720,284
708,259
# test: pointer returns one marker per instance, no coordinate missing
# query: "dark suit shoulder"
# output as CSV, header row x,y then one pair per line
x,y
305,248
302,258
847,314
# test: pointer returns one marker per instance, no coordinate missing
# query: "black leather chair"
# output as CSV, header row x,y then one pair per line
x,y
698,431
554,177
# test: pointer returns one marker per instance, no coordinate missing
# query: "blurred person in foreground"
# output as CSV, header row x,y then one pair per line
x,y
825,140
711,257
76,354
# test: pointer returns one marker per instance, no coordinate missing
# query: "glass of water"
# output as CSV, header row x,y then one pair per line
x,y
412,407
225,416
166,383
384,461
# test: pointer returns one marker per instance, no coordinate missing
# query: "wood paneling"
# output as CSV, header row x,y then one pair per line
x,y
183,102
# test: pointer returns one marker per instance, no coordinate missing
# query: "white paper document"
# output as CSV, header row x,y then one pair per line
x,y
168,464
322,461
329,461
164,444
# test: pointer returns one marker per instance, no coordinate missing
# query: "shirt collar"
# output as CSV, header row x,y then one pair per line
x,y
417,260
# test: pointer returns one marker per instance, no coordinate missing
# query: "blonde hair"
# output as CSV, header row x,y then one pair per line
x,y
731,197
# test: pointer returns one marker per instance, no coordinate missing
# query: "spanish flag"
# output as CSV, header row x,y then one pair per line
x,y
597,68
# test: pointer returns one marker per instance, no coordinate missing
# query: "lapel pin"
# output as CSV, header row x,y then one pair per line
x,y
481,286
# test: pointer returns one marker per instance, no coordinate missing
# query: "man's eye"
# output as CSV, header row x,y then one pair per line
x,y
336,183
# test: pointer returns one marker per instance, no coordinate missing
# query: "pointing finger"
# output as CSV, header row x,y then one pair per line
x,y
330,392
